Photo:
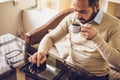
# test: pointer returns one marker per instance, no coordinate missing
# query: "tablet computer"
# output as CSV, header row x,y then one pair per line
x,y
50,73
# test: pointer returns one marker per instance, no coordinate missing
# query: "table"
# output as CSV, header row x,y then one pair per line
x,y
54,64
10,42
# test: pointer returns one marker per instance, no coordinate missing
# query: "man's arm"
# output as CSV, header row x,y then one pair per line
x,y
48,41
110,50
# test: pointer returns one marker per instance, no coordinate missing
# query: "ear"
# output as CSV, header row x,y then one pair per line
x,y
97,5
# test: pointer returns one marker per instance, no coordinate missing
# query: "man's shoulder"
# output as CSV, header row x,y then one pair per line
x,y
107,17
110,21
110,16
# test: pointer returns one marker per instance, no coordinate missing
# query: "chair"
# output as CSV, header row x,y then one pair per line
x,y
36,35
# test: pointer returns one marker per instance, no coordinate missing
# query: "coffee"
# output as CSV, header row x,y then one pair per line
x,y
75,28
76,24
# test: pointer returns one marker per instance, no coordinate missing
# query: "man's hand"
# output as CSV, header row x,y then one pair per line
x,y
38,58
88,32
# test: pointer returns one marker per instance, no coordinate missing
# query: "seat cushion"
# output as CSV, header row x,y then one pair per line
x,y
63,47
60,49
52,51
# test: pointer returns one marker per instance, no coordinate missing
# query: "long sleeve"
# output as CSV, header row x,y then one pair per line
x,y
60,31
48,41
110,49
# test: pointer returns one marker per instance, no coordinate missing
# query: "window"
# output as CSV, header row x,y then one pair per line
x,y
48,4
13,1
5,0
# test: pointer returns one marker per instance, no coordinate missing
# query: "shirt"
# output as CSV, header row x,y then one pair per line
x,y
98,18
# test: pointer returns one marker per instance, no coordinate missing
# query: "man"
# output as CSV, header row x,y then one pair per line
x,y
96,45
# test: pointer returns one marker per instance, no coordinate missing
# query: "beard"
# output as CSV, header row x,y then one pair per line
x,y
82,20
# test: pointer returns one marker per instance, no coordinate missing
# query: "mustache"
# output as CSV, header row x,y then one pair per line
x,y
81,19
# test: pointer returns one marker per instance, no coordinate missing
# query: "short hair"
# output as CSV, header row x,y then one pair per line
x,y
93,2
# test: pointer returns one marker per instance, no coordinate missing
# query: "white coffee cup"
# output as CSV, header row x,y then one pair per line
x,y
75,27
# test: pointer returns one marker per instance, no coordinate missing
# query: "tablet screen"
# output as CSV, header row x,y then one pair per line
x,y
50,73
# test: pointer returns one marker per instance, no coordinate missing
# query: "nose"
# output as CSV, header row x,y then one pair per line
x,y
78,15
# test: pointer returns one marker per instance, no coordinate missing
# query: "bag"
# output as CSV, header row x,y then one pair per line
x,y
12,52
15,58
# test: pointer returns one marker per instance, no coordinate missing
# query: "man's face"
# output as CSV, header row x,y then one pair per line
x,y
83,11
